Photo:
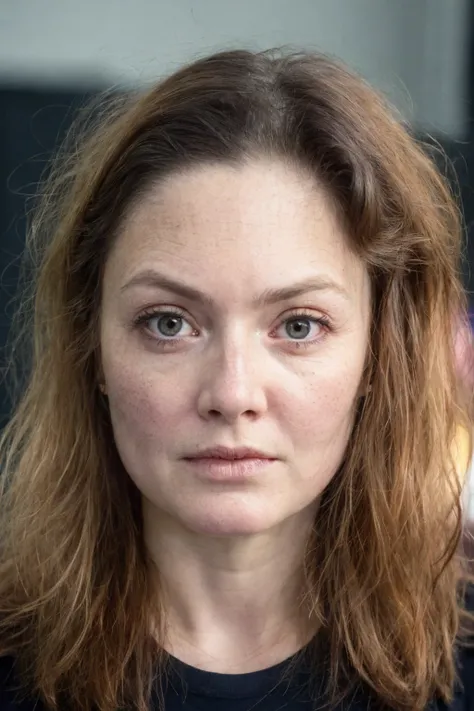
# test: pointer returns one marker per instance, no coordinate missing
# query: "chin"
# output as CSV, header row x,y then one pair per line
x,y
223,522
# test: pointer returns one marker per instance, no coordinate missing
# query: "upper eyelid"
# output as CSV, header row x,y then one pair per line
x,y
153,312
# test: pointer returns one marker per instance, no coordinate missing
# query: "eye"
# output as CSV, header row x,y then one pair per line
x,y
168,325
165,325
298,328
303,327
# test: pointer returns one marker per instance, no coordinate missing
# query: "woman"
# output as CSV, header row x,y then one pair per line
x,y
230,482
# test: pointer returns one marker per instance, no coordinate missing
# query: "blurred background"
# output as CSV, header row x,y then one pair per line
x,y
56,54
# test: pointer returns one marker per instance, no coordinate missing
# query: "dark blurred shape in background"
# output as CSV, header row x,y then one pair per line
x,y
33,122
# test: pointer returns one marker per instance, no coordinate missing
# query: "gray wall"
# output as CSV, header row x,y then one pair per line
x,y
412,49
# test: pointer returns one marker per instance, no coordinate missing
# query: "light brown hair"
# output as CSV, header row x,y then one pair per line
x,y
78,595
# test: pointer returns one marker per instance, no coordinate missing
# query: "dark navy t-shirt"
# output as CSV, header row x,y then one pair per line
x,y
191,689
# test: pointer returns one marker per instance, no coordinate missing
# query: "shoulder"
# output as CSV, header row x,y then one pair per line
x,y
11,698
466,677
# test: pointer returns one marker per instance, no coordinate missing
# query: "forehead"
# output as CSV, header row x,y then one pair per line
x,y
227,225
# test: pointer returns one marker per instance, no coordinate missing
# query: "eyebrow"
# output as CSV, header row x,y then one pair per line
x,y
154,279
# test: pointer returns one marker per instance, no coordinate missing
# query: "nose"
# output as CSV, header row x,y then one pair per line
x,y
232,384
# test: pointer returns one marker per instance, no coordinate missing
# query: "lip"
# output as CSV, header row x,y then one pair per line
x,y
220,464
230,453
215,469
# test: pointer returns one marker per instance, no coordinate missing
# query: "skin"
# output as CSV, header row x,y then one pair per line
x,y
236,373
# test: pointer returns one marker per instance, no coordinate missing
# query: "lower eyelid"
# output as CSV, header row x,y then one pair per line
x,y
144,320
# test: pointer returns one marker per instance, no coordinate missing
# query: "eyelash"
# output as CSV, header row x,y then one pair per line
x,y
146,316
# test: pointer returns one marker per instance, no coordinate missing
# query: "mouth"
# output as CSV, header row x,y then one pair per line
x,y
230,454
225,464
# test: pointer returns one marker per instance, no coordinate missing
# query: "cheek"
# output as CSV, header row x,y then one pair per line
x,y
323,414
320,420
144,398
320,428
145,417
144,410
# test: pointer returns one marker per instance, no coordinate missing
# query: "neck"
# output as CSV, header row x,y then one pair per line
x,y
233,604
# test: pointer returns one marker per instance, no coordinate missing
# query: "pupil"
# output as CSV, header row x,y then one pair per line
x,y
300,328
169,325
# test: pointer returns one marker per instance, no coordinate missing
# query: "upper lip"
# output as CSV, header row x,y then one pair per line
x,y
221,452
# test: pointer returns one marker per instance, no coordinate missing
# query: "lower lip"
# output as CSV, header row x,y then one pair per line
x,y
216,469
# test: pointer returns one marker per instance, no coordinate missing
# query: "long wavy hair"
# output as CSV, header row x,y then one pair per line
x,y
80,605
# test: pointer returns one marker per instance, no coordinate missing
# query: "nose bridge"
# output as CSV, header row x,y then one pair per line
x,y
234,379
235,352
236,360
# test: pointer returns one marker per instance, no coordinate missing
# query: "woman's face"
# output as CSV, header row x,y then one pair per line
x,y
234,315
